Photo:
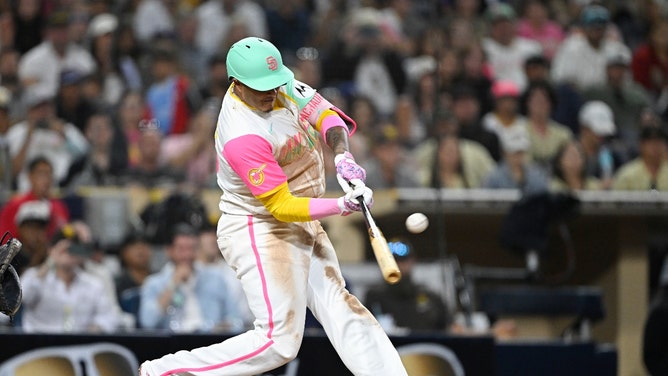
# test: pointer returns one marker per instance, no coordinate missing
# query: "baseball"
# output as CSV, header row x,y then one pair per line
x,y
417,222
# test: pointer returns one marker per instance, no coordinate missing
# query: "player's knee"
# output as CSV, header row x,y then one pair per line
x,y
287,345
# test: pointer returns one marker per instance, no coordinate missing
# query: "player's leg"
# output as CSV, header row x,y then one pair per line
x,y
273,274
355,334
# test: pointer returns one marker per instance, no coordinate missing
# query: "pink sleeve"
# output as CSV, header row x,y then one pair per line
x,y
315,107
323,207
251,157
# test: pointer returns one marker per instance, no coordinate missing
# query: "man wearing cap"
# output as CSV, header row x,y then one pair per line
x,y
40,176
596,127
650,170
506,50
626,98
582,57
41,66
32,221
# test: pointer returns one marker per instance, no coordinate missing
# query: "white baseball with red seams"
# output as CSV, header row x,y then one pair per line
x,y
417,223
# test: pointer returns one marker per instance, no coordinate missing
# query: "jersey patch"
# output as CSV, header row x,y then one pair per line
x,y
302,90
256,175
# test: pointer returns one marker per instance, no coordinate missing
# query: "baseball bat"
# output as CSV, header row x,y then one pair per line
x,y
386,262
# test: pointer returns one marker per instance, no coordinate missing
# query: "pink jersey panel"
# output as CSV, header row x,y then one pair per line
x,y
251,157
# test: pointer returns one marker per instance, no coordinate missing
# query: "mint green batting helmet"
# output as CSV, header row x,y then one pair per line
x,y
257,64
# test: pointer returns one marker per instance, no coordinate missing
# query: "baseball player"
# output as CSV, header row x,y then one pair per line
x,y
271,172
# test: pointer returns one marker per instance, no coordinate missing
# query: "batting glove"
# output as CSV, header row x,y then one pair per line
x,y
349,170
351,201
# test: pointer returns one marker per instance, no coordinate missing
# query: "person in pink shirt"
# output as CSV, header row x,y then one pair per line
x,y
536,25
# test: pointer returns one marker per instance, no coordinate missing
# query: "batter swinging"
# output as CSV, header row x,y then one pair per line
x,y
271,172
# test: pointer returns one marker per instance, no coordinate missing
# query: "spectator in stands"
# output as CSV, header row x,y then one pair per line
x,y
216,83
101,31
626,98
40,176
546,136
32,220
191,59
476,73
172,97
456,163
568,170
152,18
568,98
367,62
185,297
28,24
407,304
505,49
59,296
515,170
40,68
135,256
411,129
216,17
581,58
128,56
390,164
9,78
192,153
449,161
596,127
505,117
289,25
536,25
650,170
71,105
150,171
102,165
208,255
43,133
466,111
132,119
649,64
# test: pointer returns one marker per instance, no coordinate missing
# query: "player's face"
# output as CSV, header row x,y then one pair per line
x,y
262,100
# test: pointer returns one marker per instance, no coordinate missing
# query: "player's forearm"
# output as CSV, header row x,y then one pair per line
x,y
337,140
288,208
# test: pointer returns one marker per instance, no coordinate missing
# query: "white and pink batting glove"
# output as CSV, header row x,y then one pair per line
x,y
348,172
351,201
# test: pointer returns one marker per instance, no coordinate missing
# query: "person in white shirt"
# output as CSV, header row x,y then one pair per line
x,y
59,296
505,50
582,58
44,134
216,17
40,67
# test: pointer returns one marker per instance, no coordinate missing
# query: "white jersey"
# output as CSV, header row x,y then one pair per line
x,y
291,137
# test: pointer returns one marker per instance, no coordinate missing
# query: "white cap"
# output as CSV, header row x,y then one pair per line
x,y
102,24
515,139
597,116
33,211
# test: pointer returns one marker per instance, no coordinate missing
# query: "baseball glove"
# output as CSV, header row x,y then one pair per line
x,y
10,287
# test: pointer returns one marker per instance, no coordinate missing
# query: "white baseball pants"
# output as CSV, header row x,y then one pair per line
x,y
283,268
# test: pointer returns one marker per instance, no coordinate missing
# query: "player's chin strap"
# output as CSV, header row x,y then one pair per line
x,y
10,287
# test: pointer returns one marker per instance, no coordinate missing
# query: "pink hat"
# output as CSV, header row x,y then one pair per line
x,y
505,88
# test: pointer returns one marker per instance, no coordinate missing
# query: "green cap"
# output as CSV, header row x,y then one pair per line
x,y
257,64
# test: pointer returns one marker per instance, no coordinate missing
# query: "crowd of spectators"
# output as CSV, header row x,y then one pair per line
x,y
519,94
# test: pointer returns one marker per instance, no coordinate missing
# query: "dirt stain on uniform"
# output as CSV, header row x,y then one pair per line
x,y
350,299
319,251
